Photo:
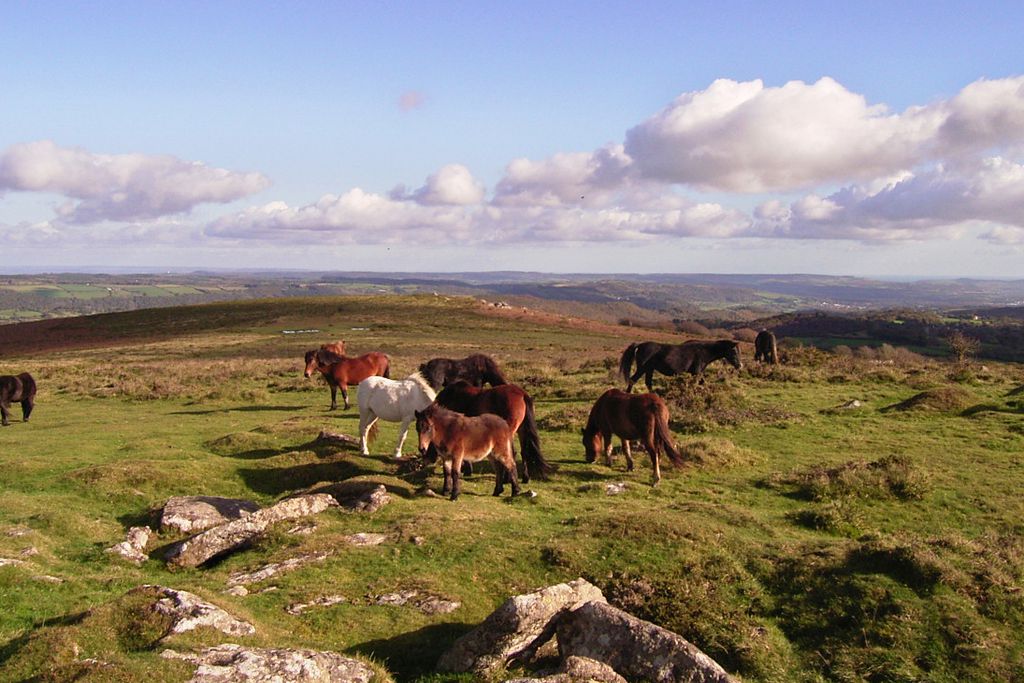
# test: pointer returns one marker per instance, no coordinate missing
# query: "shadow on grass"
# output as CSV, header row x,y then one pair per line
x,y
241,409
411,655
277,480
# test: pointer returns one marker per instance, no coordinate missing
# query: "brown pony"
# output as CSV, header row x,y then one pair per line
x,y
629,416
340,370
17,389
766,349
507,401
458,438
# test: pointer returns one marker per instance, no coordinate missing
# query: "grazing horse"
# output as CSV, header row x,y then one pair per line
x,y
17,389
671,359
765,348
476,369
458,438
629,416
340,371
392,401
507,401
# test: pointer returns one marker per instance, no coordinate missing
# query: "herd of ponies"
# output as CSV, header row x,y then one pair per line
x,y
461,421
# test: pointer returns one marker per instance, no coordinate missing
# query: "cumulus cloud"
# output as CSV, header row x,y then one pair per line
x,y
745,137
120,187
934,202
568,178
453,185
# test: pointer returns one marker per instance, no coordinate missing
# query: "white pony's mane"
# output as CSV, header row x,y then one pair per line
x,y
422,381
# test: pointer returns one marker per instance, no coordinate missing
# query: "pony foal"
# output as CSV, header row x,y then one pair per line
x,y
458,438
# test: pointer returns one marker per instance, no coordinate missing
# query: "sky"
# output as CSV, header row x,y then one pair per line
x,y
872,138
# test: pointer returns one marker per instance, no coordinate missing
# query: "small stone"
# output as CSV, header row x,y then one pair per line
x,y
364,539
615,489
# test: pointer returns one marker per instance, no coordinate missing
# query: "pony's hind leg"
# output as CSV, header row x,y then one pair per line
x,y
366,422
5,411
446,464
626,451
26,408
456,468
653,452
344,396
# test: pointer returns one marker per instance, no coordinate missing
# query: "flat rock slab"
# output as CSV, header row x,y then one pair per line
x,y
191,514
234,664
188,612
227,537
424,602
297,608
270,570
364,539
516,629
636,649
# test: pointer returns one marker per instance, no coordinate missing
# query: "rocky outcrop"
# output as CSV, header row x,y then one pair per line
x,y
225,538
191,514
236,664
188,611
578,670
368,500
516,629
133,548
636,649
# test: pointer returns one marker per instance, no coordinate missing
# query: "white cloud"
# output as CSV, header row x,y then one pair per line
x,y
567,178
745,137
120,187
935,202
452,185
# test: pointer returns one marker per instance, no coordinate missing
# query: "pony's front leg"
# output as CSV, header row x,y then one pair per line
x,y
334,396
446,464
26,408
626,451
608,445
4,413
456,476
648,378
403,430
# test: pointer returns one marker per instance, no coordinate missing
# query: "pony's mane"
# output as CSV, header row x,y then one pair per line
x,y
424,385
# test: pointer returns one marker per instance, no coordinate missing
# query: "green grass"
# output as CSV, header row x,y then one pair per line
x,y
801,544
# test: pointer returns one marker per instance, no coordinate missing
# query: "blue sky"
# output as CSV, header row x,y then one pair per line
x,y
850,138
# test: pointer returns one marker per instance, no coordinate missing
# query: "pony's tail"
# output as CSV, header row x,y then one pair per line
x,y
626,362
371,435
529,441
387,367
663,439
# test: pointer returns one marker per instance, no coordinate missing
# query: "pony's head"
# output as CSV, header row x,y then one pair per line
x,y
311,363
733,355
592,443
424,429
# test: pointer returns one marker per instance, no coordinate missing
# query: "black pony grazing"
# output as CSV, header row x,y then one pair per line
x,y
476,370
671,359
19,389
765,349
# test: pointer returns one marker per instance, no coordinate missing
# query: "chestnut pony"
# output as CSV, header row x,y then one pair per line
x,y
340,370
630,416
459,439
507,401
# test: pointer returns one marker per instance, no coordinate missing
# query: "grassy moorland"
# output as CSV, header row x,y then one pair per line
x,y
804,541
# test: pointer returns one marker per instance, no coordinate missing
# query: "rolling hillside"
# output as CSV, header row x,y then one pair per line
x,y
808,538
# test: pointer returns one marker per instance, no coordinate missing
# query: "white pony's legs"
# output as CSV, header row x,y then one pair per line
x,y
403,430
366,421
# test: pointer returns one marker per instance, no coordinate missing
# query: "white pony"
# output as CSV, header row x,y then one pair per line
x,y
392,401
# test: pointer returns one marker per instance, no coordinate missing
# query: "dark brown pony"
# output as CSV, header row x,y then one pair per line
x,y
17,389
629,416
477,370
457,438
671,359
765,348
340,371
507,401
